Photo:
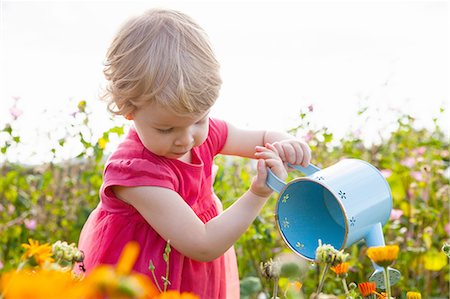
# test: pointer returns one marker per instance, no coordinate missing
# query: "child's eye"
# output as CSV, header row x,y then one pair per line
x,y
164,131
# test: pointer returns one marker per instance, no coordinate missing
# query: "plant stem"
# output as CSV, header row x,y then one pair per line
x,y
21,265
387,284
156,281
344,283
166,280
275,288
322,279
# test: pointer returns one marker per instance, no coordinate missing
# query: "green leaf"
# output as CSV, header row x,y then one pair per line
x,y
250,286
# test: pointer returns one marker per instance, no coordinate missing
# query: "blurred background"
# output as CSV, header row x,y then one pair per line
x,y
278,58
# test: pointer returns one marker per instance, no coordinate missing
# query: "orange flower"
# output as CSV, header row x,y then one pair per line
x,y
176,295
413,295
40,253
367,288
381,295
39,284
383,255
297,285
127,258
120,282
340,269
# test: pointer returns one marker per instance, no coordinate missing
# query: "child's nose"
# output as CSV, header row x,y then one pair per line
x,y
185,139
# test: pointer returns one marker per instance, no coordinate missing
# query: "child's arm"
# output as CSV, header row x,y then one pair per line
x,y
174,220
242,143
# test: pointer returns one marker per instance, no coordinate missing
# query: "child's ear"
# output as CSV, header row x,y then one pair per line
x,y
129,116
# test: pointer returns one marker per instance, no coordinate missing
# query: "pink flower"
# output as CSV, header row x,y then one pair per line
x,y
1,265
445,154
309,136
357,133
386,172
420,150
408,162
417,175
15,112
30,224
311,108
396,214
410,193
11,209
447,228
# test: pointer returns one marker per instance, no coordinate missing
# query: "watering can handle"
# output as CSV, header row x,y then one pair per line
x,y
308,170
277,185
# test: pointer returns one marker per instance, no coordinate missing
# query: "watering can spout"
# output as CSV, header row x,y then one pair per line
x,y
374,238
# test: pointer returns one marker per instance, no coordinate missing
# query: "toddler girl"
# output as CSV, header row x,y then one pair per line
x,y
163,76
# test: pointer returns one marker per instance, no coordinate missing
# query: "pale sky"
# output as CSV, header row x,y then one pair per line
x,y
277,58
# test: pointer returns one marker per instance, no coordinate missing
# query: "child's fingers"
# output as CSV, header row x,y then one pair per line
x,y
260,149
306,154
267,154
262,170
267,147
276,165
279,148
259,186
273,148
290,153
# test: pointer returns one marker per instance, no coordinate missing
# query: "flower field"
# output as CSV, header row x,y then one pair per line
x,y
51,201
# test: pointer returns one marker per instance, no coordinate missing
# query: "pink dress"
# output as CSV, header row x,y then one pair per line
x,y
113,222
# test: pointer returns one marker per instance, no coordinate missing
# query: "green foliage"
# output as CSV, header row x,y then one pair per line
x,y
250,286
52,201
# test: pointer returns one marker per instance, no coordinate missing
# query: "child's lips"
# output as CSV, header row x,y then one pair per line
x,y
180,153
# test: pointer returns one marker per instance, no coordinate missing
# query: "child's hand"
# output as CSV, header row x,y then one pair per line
x,y
293,151
268,157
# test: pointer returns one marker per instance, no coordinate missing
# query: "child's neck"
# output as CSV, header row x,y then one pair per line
x,y
187,158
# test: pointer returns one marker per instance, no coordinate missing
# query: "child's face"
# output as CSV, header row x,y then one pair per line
x,y
167,134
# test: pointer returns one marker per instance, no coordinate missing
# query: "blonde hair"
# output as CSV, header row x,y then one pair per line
x,y
161,56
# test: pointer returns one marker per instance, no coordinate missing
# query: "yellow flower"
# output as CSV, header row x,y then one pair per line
x,y
367,288
127,258
381,295
383,255
40,253
102,143
297,285
177,295
434,260
119,282
82,106
102,278
413,295
39,284
340,269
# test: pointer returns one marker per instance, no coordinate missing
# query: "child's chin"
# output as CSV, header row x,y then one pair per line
x,y
176,155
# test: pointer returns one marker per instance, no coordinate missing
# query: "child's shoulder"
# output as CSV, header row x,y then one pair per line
x,y
217,127
130,148
217,123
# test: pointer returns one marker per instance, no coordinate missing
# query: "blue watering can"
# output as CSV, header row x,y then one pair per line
x,y
340,205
